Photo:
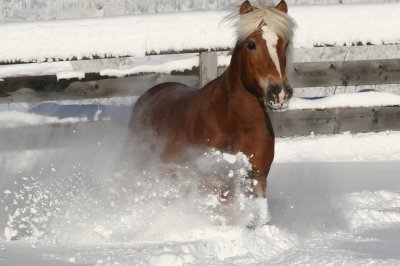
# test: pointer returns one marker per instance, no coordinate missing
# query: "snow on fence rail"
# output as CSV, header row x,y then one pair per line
x,y
334,45
63,48
141,35
188,31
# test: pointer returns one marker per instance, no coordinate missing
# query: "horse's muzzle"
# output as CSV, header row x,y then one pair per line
x,y
278,96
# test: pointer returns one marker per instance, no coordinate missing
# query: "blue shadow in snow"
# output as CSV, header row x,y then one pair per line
x,y
89,111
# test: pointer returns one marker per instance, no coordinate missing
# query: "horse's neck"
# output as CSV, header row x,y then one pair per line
x,y
228,92
229,82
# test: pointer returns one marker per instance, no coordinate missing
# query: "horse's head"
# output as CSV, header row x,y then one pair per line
x,y
264,33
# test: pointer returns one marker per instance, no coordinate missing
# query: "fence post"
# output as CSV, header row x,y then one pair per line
x,y
208,63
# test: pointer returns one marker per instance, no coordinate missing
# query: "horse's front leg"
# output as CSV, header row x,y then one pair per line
x,y
257,184
255,201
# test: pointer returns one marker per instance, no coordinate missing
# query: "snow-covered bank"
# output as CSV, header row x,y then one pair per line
x,y
118,36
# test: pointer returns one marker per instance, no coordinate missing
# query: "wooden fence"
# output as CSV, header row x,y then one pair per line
x,y
302,74
321,73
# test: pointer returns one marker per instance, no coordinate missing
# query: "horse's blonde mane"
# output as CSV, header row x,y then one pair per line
x,y
278,22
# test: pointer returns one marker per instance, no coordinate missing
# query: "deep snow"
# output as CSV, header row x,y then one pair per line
x,y
332,199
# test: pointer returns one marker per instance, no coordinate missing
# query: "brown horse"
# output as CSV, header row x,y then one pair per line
x,y
230,113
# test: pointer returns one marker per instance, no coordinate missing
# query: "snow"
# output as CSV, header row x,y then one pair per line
x,y
11,119
107,67
367,147
117,36
44,10
360,99
140,34
165,64
157,64
332,199
17,10
342,21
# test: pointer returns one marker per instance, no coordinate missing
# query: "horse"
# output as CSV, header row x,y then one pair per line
x,y
230,113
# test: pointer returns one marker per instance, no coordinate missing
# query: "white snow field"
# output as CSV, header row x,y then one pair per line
x,y
331,199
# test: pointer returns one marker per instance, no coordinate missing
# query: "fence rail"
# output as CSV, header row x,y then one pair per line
x,y
345,71
336,120
300,74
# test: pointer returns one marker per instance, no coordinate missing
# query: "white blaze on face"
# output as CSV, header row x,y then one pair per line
x,y
272,41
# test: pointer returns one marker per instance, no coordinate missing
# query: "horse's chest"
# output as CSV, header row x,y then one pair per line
x,y
249,136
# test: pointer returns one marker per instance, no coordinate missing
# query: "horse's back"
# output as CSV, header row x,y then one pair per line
x,y
159,104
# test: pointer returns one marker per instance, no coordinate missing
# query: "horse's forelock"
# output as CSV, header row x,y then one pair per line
x,y
277,21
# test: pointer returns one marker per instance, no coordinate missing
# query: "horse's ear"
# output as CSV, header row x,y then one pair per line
x,y
245,8
282,6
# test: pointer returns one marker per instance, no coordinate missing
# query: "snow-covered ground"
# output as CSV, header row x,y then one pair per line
x,y
332,200
93,198
87,200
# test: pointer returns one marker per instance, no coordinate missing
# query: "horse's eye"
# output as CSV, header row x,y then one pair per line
x,y
251,45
